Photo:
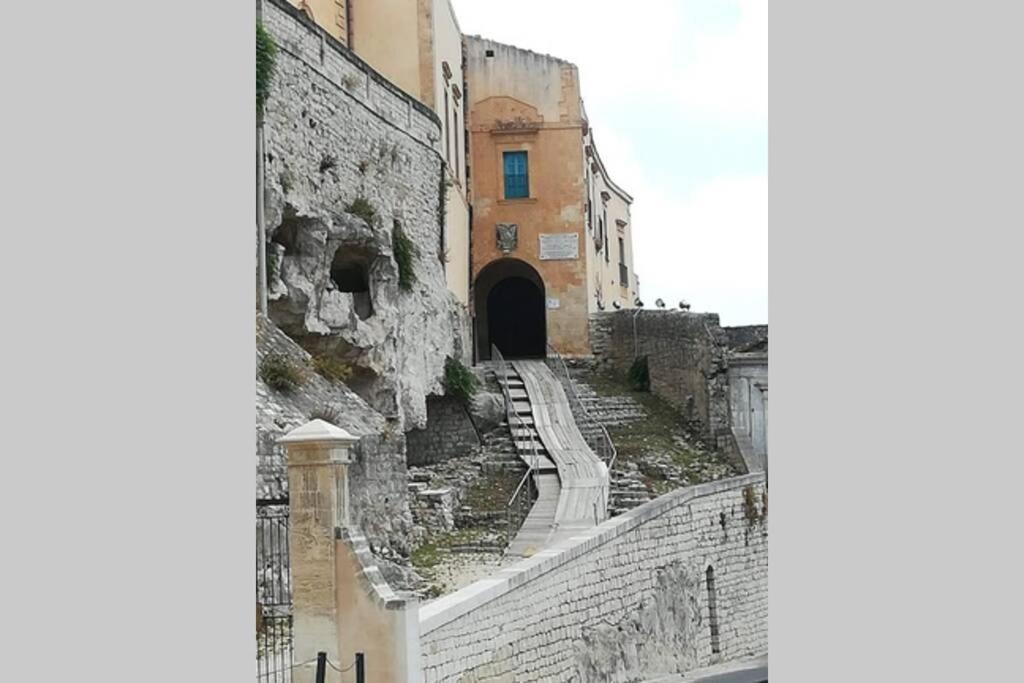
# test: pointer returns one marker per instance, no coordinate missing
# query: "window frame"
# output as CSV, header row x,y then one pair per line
x,y
505,176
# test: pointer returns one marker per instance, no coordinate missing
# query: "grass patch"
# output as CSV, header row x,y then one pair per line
x,y
661,434
361,207
280,373
405,255
433,551
459,381
490,493
331,368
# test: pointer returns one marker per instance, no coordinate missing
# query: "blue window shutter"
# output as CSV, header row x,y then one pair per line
x,y
517,184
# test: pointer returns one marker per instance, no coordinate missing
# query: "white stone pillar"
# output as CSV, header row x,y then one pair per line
x,y
318,459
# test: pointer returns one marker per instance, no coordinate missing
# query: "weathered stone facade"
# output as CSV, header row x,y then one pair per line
x,y
747,337
449,433
624,601
748,383
377,476
337,132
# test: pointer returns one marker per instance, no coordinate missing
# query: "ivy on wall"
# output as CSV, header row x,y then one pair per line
x,y
266,58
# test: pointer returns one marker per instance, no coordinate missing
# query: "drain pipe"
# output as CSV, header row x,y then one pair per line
x,y
261,230
635,343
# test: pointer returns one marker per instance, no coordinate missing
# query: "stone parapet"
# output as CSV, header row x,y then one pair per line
x,y
621,601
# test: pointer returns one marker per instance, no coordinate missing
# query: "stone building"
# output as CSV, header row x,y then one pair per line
x,y
417,45
551,233
537,236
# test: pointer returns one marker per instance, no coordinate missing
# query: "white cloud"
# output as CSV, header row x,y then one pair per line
x,y
709,248
729,74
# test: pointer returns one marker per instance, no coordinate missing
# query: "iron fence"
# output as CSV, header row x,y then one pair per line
x,y
273,593
526,493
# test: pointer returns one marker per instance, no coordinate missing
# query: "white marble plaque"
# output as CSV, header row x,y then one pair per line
x,y
554,303
563,246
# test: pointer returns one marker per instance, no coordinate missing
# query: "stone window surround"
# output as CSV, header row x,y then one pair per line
x,y
522,146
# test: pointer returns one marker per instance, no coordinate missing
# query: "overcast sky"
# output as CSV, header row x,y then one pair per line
x,y
676,92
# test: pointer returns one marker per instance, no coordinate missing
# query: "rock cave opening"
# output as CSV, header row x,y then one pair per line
x,y
350,273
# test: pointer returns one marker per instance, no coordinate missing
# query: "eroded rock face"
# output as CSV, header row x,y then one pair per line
x,y
377,476
395,340
333,277
487,410
657,636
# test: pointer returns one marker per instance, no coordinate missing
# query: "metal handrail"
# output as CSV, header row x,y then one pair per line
x,y
517,502
605,447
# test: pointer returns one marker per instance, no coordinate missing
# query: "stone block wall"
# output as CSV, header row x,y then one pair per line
x,y
377,476
747,337
449,433
337,131
625,601
688,359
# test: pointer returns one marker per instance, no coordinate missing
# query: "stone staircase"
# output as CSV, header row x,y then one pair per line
x,y
498,451
627,490
611,411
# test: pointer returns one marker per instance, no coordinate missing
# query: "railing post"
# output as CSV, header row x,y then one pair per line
x,y
318,459
321,666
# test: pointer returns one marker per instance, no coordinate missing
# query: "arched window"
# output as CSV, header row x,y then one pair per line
x,y
713,612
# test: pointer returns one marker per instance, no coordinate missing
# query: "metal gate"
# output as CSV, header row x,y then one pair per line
x,y
273,593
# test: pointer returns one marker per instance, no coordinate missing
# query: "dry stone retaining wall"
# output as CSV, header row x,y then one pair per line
x,y
622,602
687,356
449,433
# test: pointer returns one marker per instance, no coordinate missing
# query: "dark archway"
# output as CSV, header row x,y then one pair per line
x,y
510,310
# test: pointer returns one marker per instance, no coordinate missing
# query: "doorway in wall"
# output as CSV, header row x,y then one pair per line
x,y
510,310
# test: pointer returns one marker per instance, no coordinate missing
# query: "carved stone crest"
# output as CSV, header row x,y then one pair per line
x,y
507,236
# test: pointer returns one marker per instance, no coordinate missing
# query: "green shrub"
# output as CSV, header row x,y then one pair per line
x,y
273,266
331,368
750,509
362,208
266,57
639,376
405,254
458,380
280,373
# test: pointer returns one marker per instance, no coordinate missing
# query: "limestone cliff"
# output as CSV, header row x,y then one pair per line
x,y
350,161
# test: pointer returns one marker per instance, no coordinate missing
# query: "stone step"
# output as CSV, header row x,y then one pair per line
x,y
530,447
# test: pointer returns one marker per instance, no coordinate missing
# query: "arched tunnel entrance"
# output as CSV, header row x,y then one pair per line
x,y
510,310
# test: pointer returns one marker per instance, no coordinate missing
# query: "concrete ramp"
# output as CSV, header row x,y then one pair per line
x,y
582,477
